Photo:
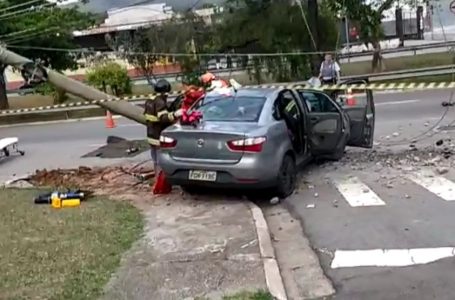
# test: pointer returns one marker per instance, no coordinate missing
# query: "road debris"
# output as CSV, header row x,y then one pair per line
x,y
442,170
117,147
311,205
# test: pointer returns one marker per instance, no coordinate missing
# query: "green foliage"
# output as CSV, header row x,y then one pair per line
x,y
41,24
57,94
368,15
110,75
274,27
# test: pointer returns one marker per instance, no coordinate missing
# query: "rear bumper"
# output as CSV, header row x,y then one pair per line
x,y
251,172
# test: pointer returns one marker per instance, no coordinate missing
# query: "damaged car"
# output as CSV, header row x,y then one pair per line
x,y
257,138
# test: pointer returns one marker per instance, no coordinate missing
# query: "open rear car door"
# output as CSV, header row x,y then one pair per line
x,y
359,107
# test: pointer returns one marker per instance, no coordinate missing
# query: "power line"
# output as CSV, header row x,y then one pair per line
x,y
19,5
25,11
32,35
18,33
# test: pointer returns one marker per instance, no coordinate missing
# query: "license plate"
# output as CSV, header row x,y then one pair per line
x,y
202,175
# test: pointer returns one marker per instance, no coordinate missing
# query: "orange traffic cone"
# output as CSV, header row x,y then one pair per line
x,y
109,120
350,100
161,185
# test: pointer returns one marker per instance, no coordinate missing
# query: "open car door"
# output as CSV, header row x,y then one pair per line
x,y
359,107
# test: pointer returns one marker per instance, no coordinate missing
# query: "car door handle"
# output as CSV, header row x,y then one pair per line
x,y
314,119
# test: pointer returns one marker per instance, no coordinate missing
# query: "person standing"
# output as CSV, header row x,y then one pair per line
x,y
330,71
158,118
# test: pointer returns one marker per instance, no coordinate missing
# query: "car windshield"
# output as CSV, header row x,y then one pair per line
x,y
231,109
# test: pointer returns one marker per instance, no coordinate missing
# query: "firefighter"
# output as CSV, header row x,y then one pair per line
x,y
191,93
158,117
211,82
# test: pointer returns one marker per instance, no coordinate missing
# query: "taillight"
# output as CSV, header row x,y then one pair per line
x,y
253,144
167,142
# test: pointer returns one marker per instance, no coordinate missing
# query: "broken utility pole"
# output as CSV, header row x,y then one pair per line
x,y
75,87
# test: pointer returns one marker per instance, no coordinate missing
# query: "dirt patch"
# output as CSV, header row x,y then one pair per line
x,y
113,180
117,147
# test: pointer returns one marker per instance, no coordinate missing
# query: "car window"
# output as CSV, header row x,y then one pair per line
x,y
231,109
318,102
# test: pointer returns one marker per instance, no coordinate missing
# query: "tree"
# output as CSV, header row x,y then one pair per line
x,y
266,26
369,16
39,24
145,47
109,74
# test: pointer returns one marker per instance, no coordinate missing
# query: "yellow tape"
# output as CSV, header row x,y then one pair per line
x,y
370,86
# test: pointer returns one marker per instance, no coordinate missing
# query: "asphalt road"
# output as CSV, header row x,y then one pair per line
x,y
408,215
62,144
382,228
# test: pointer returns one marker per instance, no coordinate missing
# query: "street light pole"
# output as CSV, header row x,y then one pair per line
x,y
346,28
77,88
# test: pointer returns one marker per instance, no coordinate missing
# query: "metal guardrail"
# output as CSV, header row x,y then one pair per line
x,y
400,49
400,74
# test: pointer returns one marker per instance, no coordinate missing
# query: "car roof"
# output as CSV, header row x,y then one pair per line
x,y
252,92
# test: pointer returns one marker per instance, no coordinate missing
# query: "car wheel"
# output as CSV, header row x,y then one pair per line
x,y
336,156
287,177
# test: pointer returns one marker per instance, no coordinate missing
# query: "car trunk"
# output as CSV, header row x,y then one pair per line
x,y
207,142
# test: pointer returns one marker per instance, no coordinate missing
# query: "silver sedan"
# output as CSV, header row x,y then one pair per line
x,y
257,138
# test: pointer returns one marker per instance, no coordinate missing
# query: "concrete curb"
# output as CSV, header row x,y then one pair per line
x,y
57,121
272,272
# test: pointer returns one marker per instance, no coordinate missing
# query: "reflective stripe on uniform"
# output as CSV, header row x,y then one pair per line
x,y
153,142
151,118
170,116
290,106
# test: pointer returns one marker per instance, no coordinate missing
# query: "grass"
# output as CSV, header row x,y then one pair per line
x,y
400,63
259,295
61,254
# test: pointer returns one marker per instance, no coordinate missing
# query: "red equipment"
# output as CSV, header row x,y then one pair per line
x,y
193,95
161,185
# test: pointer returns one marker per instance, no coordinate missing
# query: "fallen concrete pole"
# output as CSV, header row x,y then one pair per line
x,y
78,88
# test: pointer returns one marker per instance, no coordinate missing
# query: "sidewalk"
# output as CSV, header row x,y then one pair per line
x,y
191,248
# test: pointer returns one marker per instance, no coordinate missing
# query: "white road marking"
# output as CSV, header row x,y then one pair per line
x,y
438,185
389,257
356,193
396,102
97,145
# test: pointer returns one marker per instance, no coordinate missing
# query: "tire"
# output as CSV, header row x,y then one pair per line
x,y
287,177
336,156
